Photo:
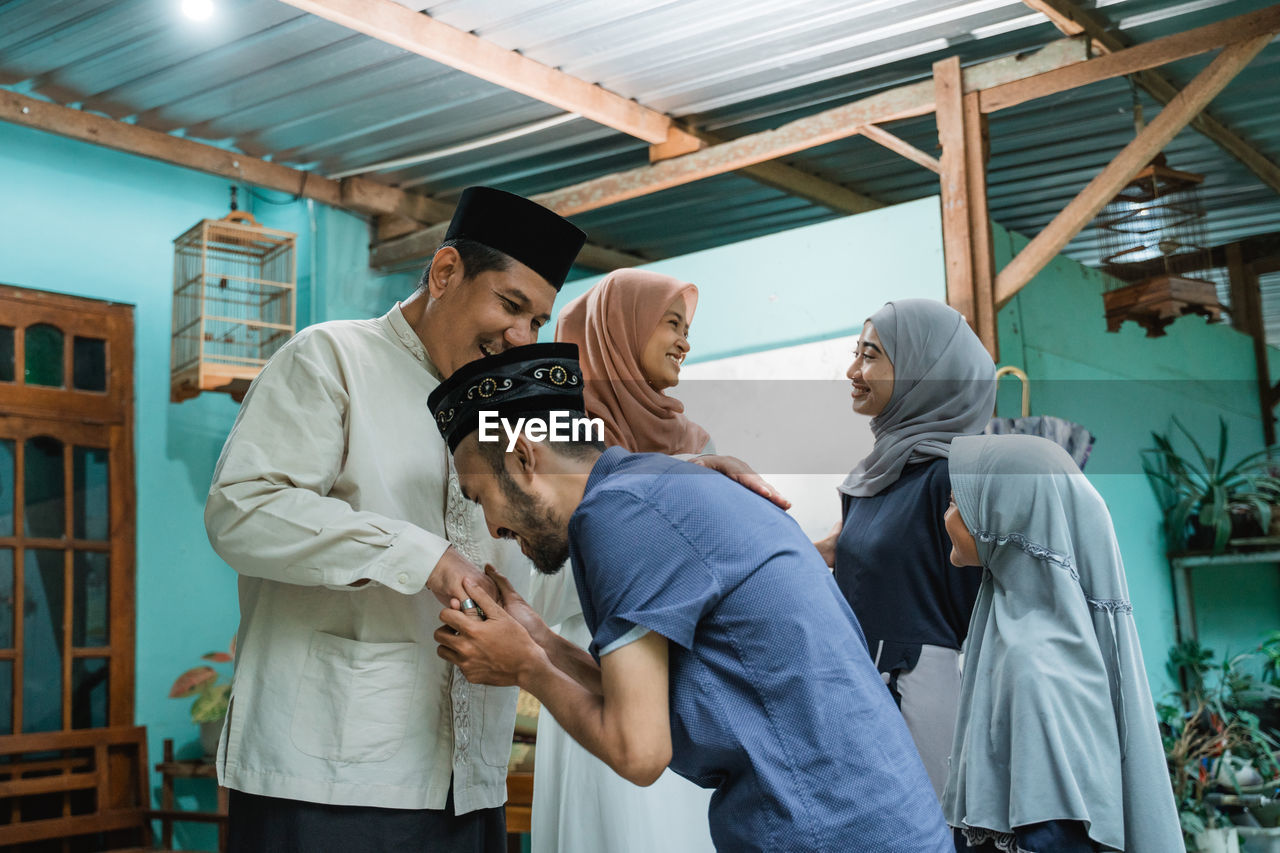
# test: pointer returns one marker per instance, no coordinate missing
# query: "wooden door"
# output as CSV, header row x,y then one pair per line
x,y
66,512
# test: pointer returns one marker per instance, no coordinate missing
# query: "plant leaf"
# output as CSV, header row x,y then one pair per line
x,y
211,705
191,682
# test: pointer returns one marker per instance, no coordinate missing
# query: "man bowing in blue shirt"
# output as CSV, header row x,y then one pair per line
x,y
721,646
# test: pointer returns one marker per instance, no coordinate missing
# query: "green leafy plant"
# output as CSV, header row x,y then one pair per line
x,y
202,682
1210,728
1204,491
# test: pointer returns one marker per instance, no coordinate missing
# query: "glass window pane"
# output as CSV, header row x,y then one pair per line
x,y
43,364
6,697
6,354
44,510
89,691
43,597
89,364
6,486
89,608
89,502
6,598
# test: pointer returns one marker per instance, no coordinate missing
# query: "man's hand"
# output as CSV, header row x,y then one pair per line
x,y
447,577
497,651
518,608
742,474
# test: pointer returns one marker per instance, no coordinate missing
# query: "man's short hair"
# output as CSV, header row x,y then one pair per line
x,y
476,258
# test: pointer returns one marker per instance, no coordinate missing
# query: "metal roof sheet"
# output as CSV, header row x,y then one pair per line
x,y
273,82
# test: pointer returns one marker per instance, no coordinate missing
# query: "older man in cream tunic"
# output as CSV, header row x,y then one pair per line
x,y
336,502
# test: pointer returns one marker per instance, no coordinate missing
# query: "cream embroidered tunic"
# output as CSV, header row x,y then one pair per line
x,y
333,472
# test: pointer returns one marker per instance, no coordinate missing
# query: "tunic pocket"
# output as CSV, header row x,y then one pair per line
x,y
354,699
499,725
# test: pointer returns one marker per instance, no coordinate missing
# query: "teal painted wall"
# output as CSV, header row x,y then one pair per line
x,y
1123,386
83,220
806,284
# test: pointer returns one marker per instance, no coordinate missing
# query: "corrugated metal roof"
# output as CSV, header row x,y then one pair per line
x,y
274,82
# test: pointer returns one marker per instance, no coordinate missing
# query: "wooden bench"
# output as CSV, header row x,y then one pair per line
x,y
88,786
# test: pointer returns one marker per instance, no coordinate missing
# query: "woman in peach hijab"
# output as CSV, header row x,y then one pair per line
x,y
631,330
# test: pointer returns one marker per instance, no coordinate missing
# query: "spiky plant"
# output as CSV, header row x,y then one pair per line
x,y
1206,489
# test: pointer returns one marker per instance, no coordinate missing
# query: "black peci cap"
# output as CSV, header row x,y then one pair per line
x,y
534,235
533,378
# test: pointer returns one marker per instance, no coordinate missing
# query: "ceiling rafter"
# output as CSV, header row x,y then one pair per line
x,y
761,151
355,194
1073,20
1147,144
419,33
909,101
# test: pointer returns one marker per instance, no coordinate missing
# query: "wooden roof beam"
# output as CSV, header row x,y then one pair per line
x,y
879,135
915,99
1154,137
358,194
1073,20
355,194
418,33
1133,59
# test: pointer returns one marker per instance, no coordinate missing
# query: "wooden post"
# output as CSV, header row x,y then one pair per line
x,y
966,226
1246,315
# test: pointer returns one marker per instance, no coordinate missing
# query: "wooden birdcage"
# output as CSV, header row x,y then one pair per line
x,y
234,288
1151,234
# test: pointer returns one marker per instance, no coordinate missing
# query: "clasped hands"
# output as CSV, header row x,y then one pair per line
x,y
505,647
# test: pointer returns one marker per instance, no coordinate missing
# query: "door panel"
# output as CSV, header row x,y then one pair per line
x,y
66,512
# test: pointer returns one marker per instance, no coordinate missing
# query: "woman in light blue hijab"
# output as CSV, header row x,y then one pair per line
x,y
1056,747
923,377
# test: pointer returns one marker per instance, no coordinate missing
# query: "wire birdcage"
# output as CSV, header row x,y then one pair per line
x,y
1152,237
234,287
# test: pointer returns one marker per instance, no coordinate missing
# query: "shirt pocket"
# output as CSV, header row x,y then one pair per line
x,y
354,699
499,725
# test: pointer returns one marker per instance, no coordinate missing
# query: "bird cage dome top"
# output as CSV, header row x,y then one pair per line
x,y
1156,218
234,287
1152,236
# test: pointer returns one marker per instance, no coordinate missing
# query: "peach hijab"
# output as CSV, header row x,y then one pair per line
x,y
611,323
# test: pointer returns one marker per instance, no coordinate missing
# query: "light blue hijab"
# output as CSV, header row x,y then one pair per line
x,y
1056,719
944,385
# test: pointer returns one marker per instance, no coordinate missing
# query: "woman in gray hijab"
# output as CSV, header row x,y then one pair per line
x,y
924,378
1056,748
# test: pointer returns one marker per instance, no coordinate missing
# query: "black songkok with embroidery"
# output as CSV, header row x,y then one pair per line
x,y
533,378
534,235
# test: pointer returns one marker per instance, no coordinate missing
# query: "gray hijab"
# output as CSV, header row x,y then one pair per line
x,y
944,385
1056,718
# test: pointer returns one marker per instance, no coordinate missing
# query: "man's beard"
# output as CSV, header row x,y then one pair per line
x,y
546,541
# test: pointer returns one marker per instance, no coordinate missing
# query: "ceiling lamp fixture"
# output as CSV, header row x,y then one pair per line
x,y
198,10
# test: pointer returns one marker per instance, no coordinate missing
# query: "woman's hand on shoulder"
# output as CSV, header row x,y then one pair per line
x,y
742,474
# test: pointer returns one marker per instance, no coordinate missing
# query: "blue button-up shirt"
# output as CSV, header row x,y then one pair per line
x,y
774,700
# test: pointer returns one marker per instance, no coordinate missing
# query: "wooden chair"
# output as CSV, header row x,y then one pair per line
x,y
88,787
519,808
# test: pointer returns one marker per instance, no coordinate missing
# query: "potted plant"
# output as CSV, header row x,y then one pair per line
x,y
212,696
1203,498
1214,743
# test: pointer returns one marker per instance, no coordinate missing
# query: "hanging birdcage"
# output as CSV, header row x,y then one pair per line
x,y
234,285
1152,237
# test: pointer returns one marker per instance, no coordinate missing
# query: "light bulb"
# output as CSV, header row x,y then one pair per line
x,y
198,10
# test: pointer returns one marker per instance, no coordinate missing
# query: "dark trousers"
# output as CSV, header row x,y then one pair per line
x,y
272,825
1055,836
